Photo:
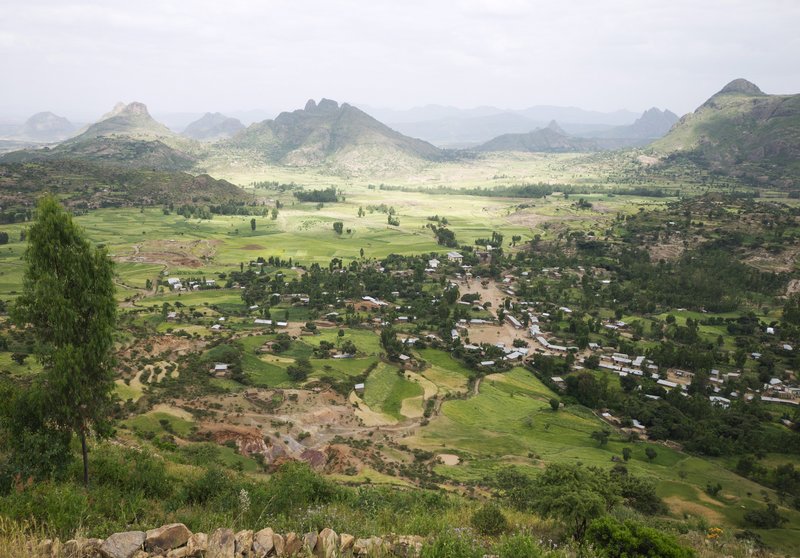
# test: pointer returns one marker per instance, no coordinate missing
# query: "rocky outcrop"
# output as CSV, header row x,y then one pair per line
x,y
176,541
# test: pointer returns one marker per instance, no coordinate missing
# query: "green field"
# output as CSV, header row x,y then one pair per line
x,y
385,391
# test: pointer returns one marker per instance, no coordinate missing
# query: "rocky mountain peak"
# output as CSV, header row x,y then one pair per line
x,y
741,86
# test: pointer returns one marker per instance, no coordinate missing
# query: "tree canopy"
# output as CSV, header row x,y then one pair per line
x,y
68,305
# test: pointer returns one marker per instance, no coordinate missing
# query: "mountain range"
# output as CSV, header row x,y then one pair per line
x,y
740,131
653,124
457,128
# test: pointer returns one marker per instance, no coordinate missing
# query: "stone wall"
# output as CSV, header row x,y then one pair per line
x,y
176,541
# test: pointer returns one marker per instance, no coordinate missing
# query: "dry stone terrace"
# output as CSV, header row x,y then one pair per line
x,y
176,541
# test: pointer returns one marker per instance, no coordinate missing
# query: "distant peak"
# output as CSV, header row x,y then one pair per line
x,y
741,86
556,128
327,104
136,108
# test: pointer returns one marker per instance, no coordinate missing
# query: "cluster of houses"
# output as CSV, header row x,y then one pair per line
x,y
176,284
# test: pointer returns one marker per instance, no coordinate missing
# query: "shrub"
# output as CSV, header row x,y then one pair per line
x,y
620,540
296,485
765,518
489,520
130,471
518,545
451,545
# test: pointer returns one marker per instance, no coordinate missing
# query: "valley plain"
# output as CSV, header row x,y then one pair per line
x,y
419,325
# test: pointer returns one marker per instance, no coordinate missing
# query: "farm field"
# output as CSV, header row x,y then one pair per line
x,y
438,419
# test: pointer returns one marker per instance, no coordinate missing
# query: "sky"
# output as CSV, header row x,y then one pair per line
x,y
79,58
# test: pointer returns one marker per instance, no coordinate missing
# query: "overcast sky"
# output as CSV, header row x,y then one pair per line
x,y
79,58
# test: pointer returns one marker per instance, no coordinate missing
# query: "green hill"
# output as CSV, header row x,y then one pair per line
x,y
743,132
82,184
127,136
326,134
551,139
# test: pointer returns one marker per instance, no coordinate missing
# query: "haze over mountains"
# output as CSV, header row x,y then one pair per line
x,y
456,128
739,130
211,127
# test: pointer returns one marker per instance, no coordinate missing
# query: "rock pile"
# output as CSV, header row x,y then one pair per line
x,y
177,541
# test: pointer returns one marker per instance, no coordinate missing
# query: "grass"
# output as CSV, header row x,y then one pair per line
x,y
151,422
385,390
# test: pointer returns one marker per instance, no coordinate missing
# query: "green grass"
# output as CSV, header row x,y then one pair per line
x,y
150,422
385,390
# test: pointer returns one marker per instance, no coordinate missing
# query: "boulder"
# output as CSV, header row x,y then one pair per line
x,y
221,544
408,546
182,552
279,544
244,543
293,544
369,547
263,543
167,537
197,545
327,543
346,542
310,542
123,545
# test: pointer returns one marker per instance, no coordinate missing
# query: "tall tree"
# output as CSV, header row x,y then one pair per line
x,y
68,303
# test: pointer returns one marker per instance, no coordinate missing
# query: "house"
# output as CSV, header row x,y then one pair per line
x,y
513,321
282,324
172,315
262,321
455,257
433,263
359,387
267,347
487,363
720,401
404,358
216,327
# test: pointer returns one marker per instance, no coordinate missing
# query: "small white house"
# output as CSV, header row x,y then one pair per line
x,y
455,257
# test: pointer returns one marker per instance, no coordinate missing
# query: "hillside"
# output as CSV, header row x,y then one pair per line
x,y
83,184
342,137
743,132
127,136
131,120
551,139
212,127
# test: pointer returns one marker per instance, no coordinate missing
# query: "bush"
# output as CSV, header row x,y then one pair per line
x,y
211,485
451,545
765,518
518,545
621,540
489,520
296,485
130,471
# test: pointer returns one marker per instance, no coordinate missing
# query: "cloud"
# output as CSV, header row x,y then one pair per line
x,y
80,57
